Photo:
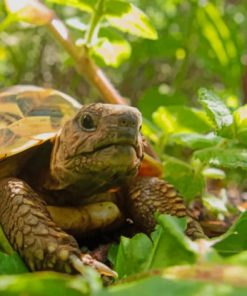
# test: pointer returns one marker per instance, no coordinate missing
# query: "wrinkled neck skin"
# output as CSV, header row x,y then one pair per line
x,y
93,162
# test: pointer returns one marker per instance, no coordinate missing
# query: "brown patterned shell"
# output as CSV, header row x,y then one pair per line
x,y
31,115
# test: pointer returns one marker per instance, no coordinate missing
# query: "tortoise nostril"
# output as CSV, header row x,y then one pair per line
x,y
127,120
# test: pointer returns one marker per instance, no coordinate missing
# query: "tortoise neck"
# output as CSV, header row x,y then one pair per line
x,y
52,180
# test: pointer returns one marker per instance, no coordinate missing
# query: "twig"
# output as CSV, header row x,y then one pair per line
x,y
84,64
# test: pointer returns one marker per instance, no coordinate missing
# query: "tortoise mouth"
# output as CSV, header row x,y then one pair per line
x,y
115,144
128,140
118,142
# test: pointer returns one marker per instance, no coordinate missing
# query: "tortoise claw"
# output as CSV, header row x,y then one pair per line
x,y
97,265
77,264
87,260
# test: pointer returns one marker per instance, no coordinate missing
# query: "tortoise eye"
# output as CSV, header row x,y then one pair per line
x,y
88,123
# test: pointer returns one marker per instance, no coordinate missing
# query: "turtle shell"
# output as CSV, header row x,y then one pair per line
x,y
31,115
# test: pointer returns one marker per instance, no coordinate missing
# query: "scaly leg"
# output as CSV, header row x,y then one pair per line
x,y
147,195
31,231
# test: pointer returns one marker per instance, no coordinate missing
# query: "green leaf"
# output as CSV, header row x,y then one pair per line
x,y
239,258
194,140
233,158
132,254
77,24
84,5
216,32
151,131
111,49
240,119
168,246
158,285
128,18
234,240
49,284
158,96
30,11
11,264
186,180
217,112
178,119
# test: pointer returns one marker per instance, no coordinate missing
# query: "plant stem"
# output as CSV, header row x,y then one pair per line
x,y
84,64
94,24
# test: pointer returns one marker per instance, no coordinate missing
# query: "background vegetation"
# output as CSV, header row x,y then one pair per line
x,y
183,64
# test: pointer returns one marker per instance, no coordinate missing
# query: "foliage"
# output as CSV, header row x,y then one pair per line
x,y
205,47
48,283
168,261
159,60
167,246
212,138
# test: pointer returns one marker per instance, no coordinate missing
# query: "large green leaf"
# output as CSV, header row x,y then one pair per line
x,y
239,258
111,48
128,18
217,112
48,284
157,285
234,240
233,158
167,246
195,140
177,119
216,32
157,96
10,261
151,131
132,254
240,119
30,11
170,245
11,264
84,5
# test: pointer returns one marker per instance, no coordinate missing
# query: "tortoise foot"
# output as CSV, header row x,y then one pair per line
x,y
34,235
148,195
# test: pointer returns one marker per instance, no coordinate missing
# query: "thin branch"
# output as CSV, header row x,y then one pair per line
x,y
84,64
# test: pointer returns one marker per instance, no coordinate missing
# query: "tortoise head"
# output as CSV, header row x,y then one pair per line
x,y
99,149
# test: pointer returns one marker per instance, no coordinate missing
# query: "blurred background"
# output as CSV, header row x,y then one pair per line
x,y
200,44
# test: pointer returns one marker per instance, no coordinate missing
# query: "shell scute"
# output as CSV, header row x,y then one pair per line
x,y
31,115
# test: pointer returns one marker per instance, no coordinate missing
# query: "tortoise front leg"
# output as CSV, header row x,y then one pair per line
x,y
147,195
31,231
85,219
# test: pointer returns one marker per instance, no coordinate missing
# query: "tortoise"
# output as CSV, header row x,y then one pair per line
x,y
69,169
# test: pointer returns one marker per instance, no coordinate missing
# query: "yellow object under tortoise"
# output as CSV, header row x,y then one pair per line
x,y
67,170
